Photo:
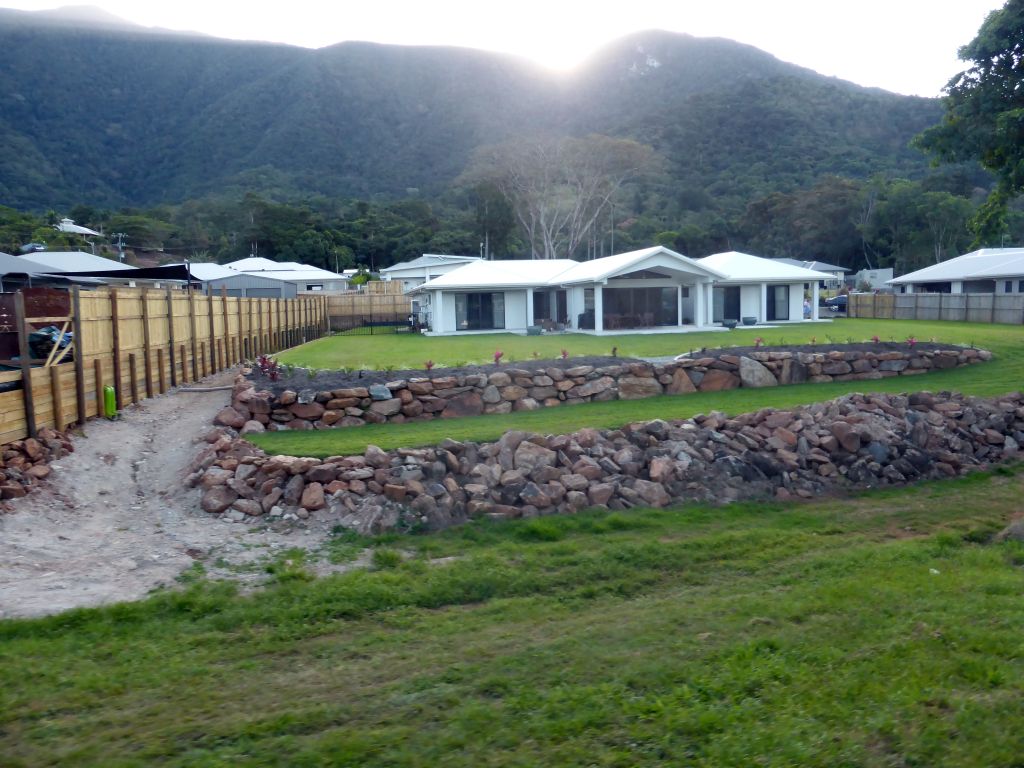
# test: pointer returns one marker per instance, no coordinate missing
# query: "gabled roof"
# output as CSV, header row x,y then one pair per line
x,y
69,261
524,273
430,260
984,264
739,267
820,266
67,225
521,273
282,270
610,266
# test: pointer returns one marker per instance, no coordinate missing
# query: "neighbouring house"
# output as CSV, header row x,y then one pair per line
x,y
427,267
17,272
837,275
654,289
69,226
304,276
989,270
72,261
215,279
767,290
873,279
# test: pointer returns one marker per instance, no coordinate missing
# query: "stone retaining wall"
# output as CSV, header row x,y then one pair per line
x,y
24,464
855,441
515,389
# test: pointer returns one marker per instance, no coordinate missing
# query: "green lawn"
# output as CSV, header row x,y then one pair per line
x,y
1004,374
878,631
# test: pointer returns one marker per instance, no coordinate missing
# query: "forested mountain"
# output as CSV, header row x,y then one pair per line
x,y
116,116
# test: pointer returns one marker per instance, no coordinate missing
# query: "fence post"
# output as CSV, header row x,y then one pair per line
x,y
147,364
170,338
115,324
133,377
224,319
58,400
213,333
97,370
192,331
992,310
26,363
76,320
160,369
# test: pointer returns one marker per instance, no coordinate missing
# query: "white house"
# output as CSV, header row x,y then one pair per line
x,y
768,290
654,289
427,267
989,270
304,276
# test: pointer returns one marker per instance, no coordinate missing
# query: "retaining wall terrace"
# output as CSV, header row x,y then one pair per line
x,y
508,389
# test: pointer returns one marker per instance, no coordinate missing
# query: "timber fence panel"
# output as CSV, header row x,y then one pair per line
x,y
142,341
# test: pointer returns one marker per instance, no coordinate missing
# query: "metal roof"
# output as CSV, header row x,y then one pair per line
x,y
737,267
70,261
984,264
283,270
820,266
431,260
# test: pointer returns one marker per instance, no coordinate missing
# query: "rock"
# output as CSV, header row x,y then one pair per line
x,y
844,433
39,471
1013,532
716,380
638,387
754,374
681,383
600,493
380,392
529,456
12,491
310,411
466,404
248,507
652,493
252,428
218,499
388,407
229,417
313,497
591,388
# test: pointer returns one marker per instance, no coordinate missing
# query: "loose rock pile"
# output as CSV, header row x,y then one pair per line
x,y
26,463
856,441
515,389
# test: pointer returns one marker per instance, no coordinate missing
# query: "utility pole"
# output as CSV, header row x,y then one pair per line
x,y
120,245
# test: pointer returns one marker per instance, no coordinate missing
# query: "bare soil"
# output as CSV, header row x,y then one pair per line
x,y
116,522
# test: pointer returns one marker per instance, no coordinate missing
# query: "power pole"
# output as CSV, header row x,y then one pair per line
x,y
120,245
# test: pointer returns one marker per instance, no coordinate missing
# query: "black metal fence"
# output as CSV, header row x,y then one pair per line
x,y
374,324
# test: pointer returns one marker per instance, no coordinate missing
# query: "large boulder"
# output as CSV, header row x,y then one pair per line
x,y
754,374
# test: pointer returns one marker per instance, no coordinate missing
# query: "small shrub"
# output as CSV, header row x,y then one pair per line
x,y
385,558
565,354
268,366
758,342
429,365
498,354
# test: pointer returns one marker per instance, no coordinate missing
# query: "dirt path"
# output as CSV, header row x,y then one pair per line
x,y
115,520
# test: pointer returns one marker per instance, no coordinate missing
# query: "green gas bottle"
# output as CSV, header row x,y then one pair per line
x,y
109,402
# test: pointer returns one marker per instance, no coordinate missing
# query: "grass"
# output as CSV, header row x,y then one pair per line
x,y
1004,374
875,631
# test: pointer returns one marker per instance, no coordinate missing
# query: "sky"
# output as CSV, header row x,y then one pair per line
x,y
905,46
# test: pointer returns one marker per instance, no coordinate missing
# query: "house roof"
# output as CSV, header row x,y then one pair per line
x,y
597,270
17,264
67,225
739,267
282,270
820,266
554,272
430,260
70,261
984,264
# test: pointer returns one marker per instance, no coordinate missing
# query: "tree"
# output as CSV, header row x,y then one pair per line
x,y
558,188
984,117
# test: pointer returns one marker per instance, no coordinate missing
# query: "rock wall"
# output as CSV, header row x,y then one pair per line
x,y
855,441
515,389
24,464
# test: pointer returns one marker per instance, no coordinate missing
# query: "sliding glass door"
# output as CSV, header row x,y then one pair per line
x,y
479,311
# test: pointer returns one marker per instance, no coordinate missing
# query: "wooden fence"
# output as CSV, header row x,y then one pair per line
x,y
969,307
381,301
141,342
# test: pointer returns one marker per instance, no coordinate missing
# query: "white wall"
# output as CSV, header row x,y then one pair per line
x,y
515,311
796,301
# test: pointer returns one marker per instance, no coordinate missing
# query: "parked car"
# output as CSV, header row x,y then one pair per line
x,y
837,303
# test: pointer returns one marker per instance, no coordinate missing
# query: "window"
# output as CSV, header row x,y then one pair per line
x,y
316,287
479,311
1020,286
778,302
1008,287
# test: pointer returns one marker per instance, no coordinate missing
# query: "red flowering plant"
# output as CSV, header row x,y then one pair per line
x,y
429,364
875,338
565,354
911,341
269,367
498,354
758,342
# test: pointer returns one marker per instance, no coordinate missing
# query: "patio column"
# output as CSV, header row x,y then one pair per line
x,y
436,316
529,307
764,304
679,305
698,305
709,304
814,300
598,308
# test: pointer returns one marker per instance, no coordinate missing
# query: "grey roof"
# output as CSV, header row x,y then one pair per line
x,y
817,266
69,261
431,260
985,264
9,264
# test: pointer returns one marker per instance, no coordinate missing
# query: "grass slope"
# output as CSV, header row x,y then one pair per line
x,y
877,631
1004,374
